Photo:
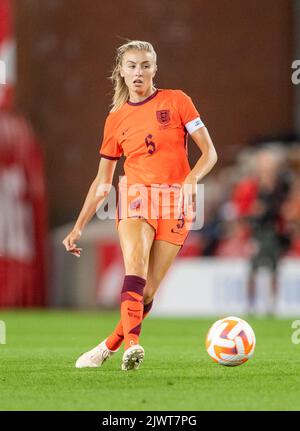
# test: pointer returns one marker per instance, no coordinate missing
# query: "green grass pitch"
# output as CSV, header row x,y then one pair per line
x,y
37,366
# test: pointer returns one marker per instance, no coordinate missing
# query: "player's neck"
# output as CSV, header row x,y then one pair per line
x,y
136,97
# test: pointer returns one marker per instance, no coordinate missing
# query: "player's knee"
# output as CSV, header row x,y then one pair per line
x,y
137,264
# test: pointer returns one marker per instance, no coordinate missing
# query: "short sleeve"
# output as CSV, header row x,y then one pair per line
x,y
110,148
189,115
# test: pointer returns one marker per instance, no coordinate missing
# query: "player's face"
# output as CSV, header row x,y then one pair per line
x,y
138,69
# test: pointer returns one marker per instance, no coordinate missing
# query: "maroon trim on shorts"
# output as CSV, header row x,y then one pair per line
x,y
144,101
109,157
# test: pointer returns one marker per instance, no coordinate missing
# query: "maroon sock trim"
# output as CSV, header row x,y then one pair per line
x,y
125,296
133,283
147,307
136,330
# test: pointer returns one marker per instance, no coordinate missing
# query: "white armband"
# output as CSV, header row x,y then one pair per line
x,y
193,125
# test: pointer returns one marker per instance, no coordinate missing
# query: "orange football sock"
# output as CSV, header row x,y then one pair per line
x,y
115,340
132,308
132,316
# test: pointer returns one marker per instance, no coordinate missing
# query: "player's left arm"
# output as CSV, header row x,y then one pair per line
x,y
203,166
208,158
192,122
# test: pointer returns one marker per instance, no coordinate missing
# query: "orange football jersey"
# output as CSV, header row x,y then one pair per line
x,y
152,136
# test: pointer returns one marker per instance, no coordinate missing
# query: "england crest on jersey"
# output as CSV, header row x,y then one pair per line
x,y
163,116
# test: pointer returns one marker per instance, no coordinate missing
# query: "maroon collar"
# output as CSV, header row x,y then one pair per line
x,y
143,101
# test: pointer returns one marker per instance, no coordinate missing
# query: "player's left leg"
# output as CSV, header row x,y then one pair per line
x,y
162,256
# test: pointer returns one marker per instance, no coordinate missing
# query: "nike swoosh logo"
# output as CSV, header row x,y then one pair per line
x,y
179,233
136,311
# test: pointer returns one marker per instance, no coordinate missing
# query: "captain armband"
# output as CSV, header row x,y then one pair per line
x,y
193,125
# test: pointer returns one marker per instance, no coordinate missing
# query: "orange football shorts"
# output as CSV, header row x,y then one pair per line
x,y
158,205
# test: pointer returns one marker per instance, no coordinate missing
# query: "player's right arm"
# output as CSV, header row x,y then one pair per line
x,y
96,195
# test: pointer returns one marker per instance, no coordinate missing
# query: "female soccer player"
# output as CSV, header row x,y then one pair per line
x,y
149,126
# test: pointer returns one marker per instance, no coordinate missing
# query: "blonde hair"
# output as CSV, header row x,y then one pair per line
x,y
121,92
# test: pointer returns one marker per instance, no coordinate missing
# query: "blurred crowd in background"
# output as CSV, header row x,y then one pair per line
x,y
252,206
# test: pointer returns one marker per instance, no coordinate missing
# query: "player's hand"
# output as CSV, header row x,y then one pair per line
x,y
70,242
187,198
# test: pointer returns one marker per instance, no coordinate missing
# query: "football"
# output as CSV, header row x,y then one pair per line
x,y
230,341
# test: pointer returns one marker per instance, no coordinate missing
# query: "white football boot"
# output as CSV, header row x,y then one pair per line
x,y
95,357
132,358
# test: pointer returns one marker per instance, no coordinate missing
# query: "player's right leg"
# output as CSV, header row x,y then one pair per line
x,y
136,239
116,338
164,249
